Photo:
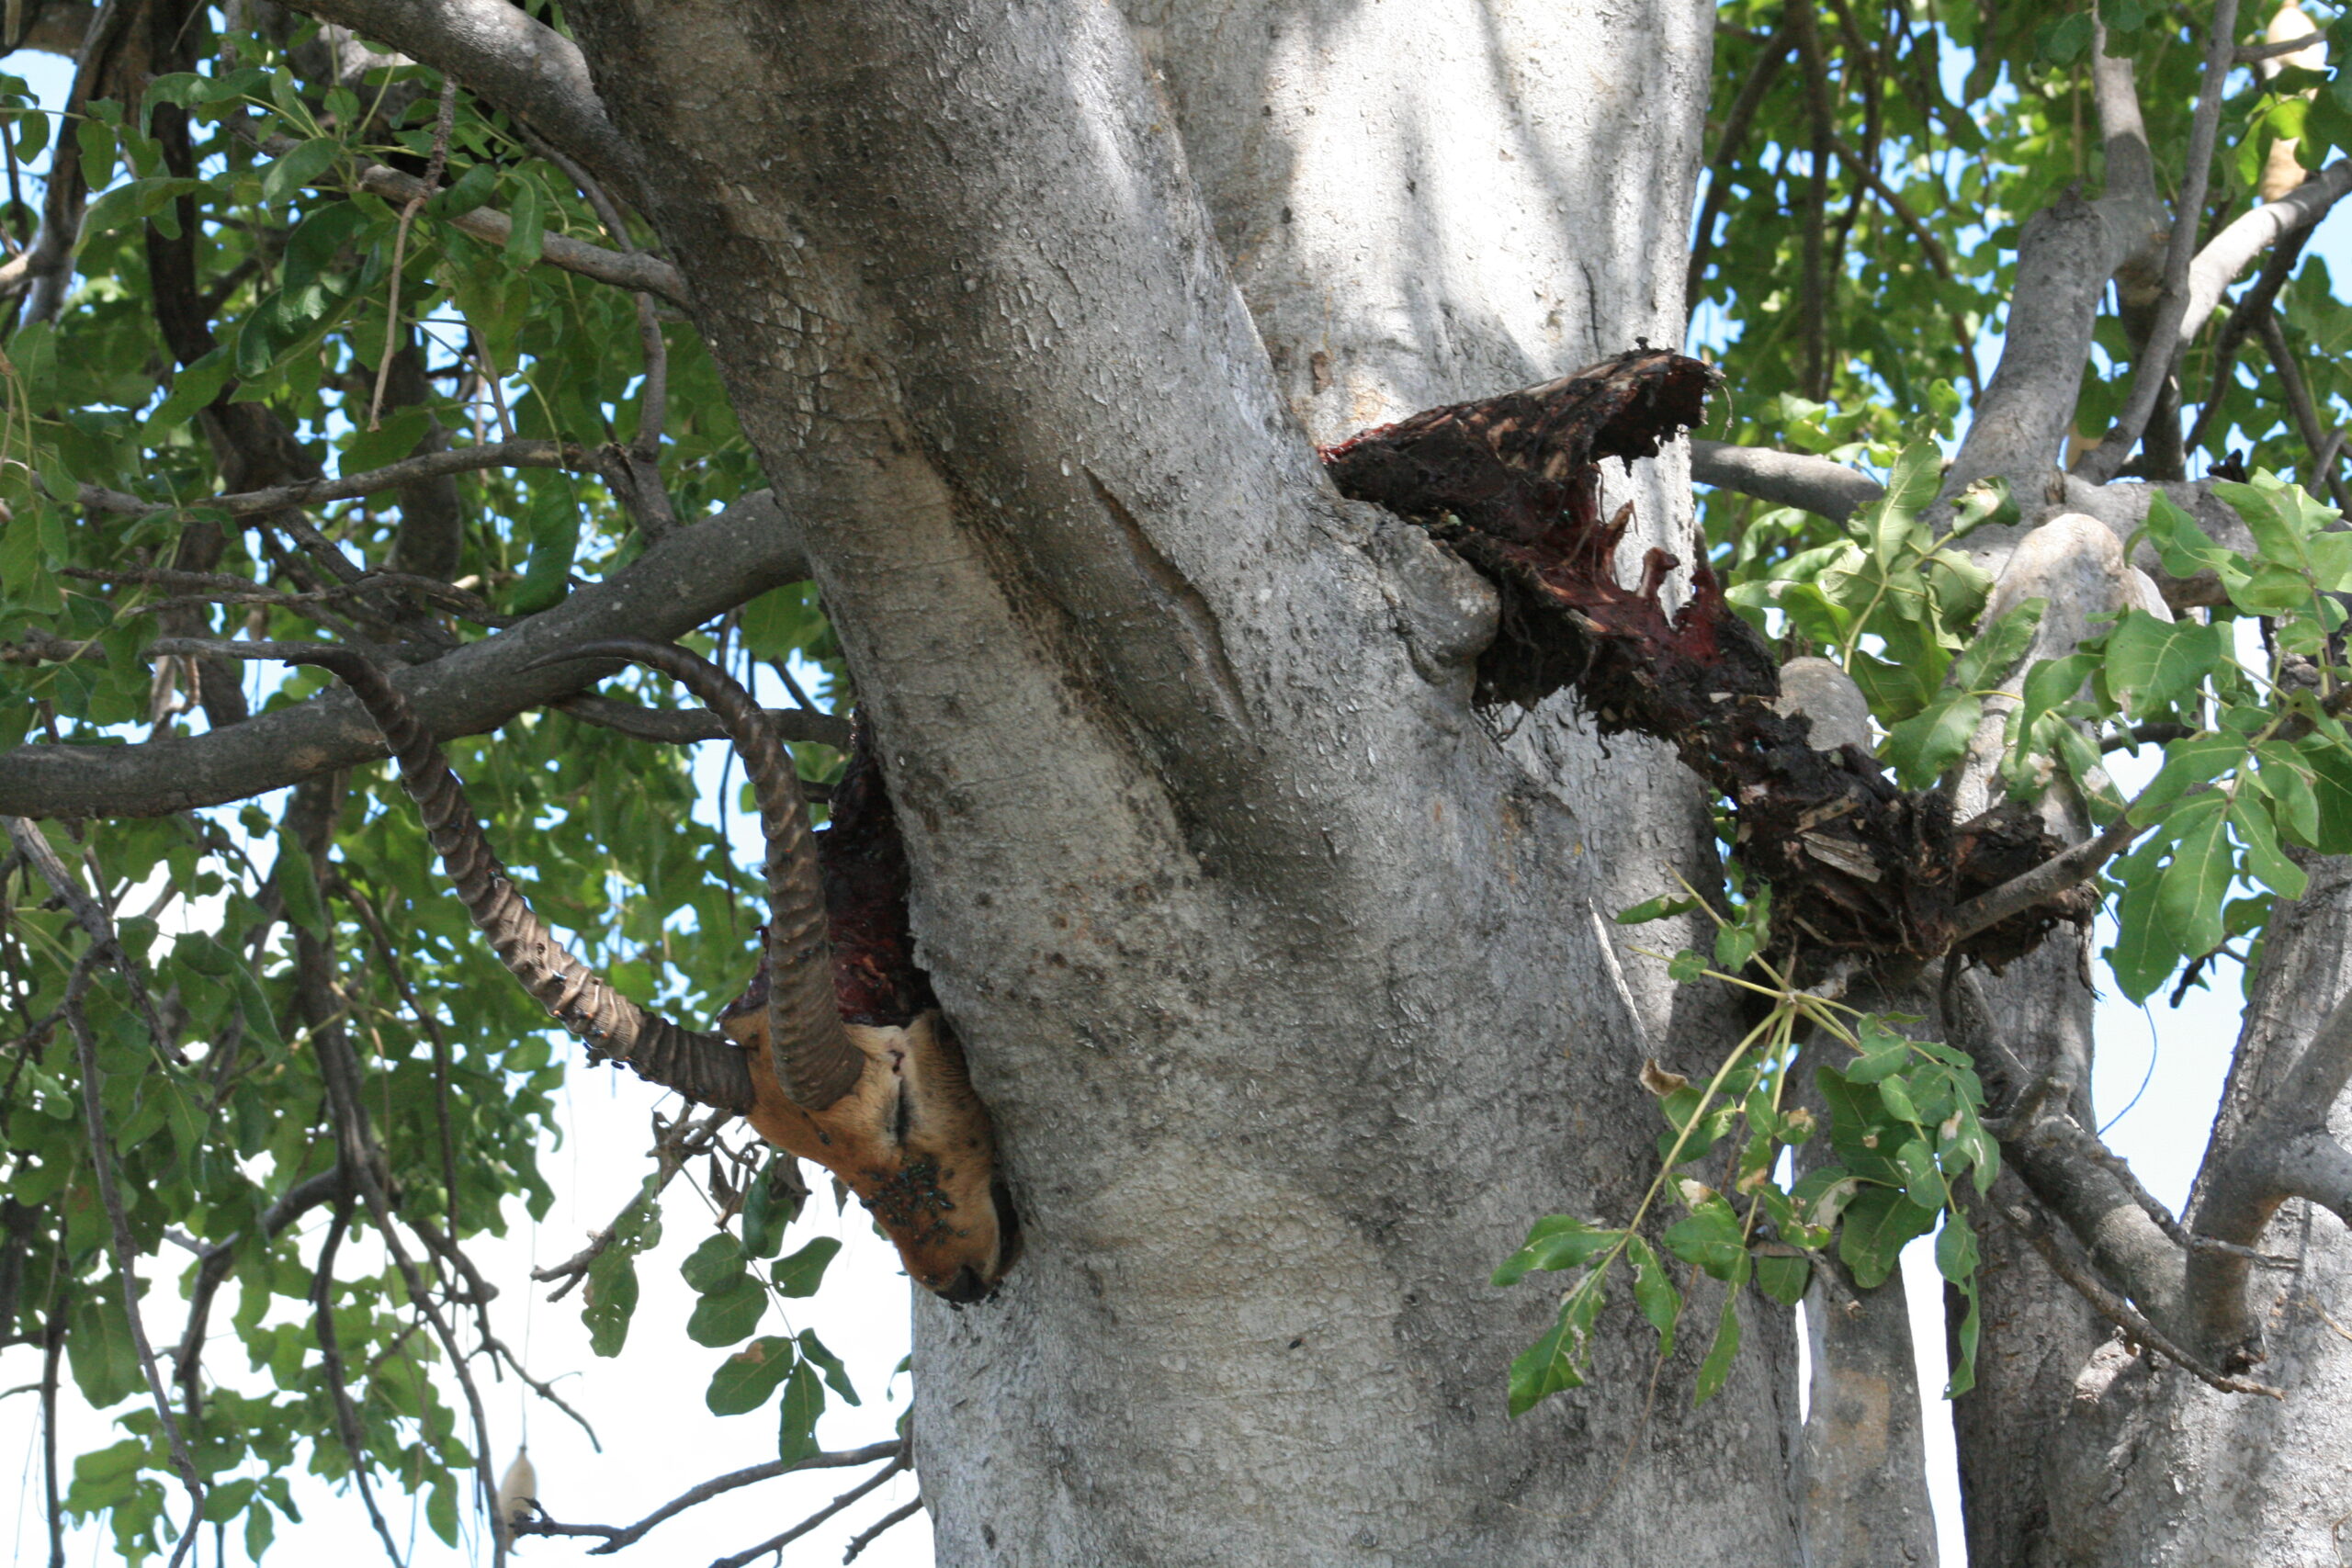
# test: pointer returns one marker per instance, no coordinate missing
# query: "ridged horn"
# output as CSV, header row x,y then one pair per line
x,y
815,1063
708,1068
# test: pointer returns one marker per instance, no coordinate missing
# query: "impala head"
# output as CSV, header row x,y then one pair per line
x,y
883,1102
910,1139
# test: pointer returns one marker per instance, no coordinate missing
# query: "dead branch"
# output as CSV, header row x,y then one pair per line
x,y
2083,1280
616,1537
778,1543
867,1537
85,1049
346,1417
676,1143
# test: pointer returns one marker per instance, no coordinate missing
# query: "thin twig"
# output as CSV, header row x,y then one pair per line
x,y
85,1049
91,916
2306,416
346,1417
442,124
679,1142
616,1537
52,1351
350,487
778,1543
497,1349
865,1539
2112,1306
226,588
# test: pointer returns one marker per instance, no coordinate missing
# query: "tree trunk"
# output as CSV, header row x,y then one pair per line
x,y
2184,1474
1281,967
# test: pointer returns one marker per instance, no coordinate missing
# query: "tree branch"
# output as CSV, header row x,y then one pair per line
x,y
2148,377
778,1543
616,1537
350,487
522,65
679,727
2054,876
2283,1151
697,572
2066,254
85,1048
637,271
1817,485
869,1535
2085,1283
1733,138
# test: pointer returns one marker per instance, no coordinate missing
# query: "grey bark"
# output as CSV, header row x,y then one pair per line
x,y
1864,1474
1268,962
2197,1478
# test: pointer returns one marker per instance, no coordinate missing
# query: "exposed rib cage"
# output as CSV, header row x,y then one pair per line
x,y
815,1063
705,1068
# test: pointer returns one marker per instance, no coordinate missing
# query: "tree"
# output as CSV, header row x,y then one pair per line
x,y
1274,905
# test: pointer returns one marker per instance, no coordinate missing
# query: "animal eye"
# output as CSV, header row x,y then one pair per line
x,y
902,1116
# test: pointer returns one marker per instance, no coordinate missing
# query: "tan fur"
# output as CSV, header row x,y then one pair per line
x,y
934,1193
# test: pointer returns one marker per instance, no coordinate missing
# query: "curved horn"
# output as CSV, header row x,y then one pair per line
x,y
709,1069
815,1063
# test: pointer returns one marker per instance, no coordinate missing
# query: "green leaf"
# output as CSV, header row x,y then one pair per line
x,y
745,1379
2145,952
1685,966
1783,1279
1654,1292
136,199
555,543
2264,857
836,1375
1964,1341
608,1300
525,238
99,1351
192,388
1920,747
2332,792
1717,1368
1711,1236
716,1264
2151,664
2280,516
1923,1183
1555,1242
283,179
2199,759
1657,908
2191,893
800,1274
804,1401
1956,1256
2183,547
729,1314
1880,1051
298,884
441,1509
770,1205
1999,646
1877,1225
1555,1361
